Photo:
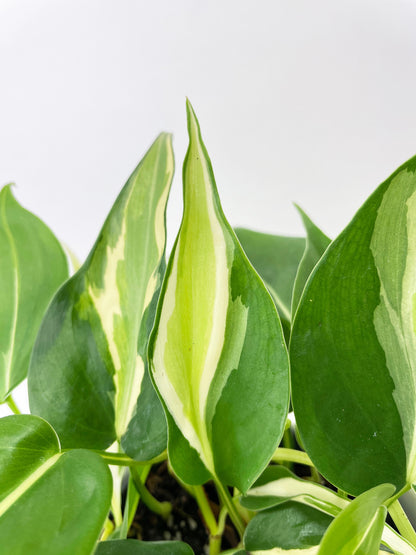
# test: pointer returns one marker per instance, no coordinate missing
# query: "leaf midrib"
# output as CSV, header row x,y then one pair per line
x,y
8,369
24,486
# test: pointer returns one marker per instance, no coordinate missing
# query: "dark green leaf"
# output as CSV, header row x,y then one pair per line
x,y
316,244
287,526
136,547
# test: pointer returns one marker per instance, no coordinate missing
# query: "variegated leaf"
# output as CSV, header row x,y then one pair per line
x,y
89,361
51,502
353,346
33,266
277,485
217,353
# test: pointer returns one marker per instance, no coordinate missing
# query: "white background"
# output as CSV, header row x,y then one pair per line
x,y
309,101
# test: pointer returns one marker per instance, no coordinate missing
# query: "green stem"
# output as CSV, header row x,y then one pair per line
x,y
199,493
287,443
163,508
215,532
108,529
291,455
12,405
228,502
402,522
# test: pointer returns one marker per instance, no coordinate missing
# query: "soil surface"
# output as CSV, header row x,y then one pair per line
x,y
185,522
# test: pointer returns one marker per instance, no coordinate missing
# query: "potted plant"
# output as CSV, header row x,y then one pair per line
x,y
140,370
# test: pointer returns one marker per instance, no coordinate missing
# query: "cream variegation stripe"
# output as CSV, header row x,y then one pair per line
x,y
194,312
17,493
311,494
394,318
108,301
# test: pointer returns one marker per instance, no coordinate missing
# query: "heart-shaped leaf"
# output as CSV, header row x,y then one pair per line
x,y
217,353
89,362
33,266
353,346
51,502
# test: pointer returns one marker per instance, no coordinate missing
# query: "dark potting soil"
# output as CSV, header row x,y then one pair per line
x,y
185,522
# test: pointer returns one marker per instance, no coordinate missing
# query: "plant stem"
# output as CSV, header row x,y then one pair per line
x,y
228,502
402,522
12,405
215,531
215,540
199,493
108,528
163,508
291,455
287,443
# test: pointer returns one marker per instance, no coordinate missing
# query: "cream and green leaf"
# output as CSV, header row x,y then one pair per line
x,y
59,500
217,353
277,486
33,266
353,346
89,361
358,528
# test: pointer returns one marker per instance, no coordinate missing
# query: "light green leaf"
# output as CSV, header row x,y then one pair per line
x,y
287,526
316,244
357,529
137,547
89,362
353,346
217,353
51,502
276,259
33,266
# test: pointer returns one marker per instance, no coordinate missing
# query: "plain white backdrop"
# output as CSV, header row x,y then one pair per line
x,y
305,101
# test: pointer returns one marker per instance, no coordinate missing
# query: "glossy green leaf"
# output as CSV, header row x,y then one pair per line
x,y
89,362
288,526
51,502
353,346
316,244
276,259
33,266
137,547
217,353
357,529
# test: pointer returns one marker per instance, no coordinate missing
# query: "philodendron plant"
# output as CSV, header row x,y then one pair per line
x,y
280,371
